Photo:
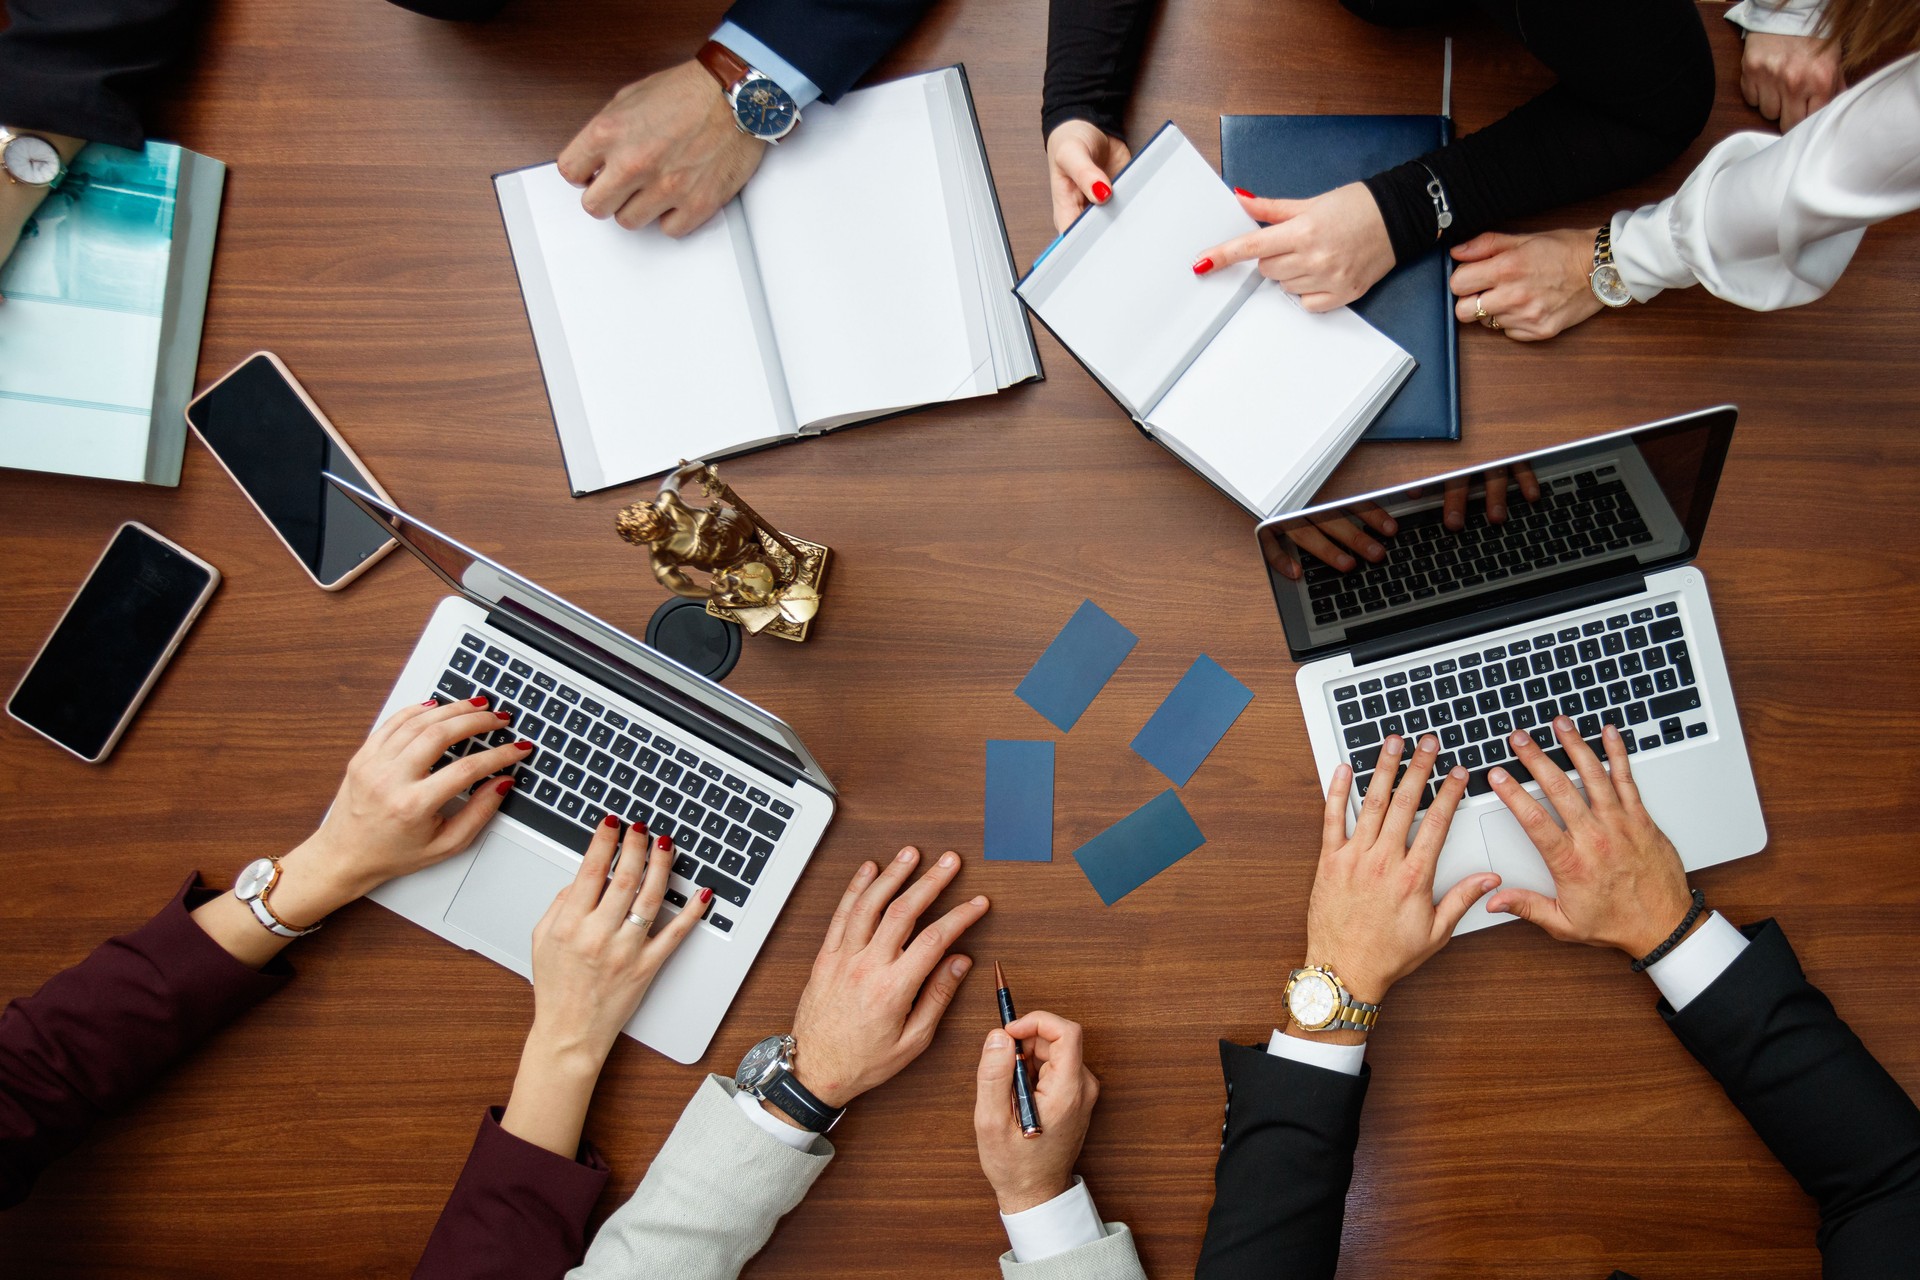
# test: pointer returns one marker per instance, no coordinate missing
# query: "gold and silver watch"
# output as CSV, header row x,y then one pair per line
x,y
1605,279
1318,1001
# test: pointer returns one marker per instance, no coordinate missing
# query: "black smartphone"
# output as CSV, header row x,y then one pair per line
x,y
263,427
113,641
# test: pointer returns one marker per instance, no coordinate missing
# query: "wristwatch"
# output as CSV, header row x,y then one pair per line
x,y
30,160
1605,277
255,882
1319,1001
761,108
767,1074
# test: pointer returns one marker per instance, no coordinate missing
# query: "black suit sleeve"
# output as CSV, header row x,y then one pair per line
x,y
85,67
834,41
1280,1186
1093,54
1840,1124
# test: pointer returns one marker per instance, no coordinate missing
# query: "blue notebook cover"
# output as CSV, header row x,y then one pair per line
x,y
1292,157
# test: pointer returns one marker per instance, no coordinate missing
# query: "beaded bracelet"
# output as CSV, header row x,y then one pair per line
x,y
1673,939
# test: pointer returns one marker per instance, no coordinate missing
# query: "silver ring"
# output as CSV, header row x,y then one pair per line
x,y
645,924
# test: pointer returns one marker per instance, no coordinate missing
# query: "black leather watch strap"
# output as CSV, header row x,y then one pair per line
x,y
793,1098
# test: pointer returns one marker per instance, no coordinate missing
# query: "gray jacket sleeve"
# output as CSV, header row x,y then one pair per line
x,y
711,1198
1110,1258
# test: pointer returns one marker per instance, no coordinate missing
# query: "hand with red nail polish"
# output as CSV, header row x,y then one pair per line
x,y
1617,879
1326,251
385,820
1081,163
1372,917
879,989
596,952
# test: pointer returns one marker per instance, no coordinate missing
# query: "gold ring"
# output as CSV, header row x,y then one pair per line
x,y
644,924
1479,312
1494,325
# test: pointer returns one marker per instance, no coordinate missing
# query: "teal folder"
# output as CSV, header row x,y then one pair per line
x,y
1292,157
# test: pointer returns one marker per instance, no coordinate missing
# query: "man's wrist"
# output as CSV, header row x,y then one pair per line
x,y
1659,924
1022,1197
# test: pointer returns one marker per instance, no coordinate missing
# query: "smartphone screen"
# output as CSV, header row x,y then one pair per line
x,y
118,629
260,427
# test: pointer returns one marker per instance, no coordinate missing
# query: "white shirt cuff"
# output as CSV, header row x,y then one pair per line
x,y
1065,1222
1778,17
1344,1058
1691,967
757,55
798,1139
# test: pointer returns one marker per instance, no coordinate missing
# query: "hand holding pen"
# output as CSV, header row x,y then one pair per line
x,y
1029,1171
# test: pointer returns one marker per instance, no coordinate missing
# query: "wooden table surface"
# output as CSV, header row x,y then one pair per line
x,y
1529,1116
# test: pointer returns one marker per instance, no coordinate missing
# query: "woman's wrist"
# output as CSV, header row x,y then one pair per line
x,y
315,881
551,1092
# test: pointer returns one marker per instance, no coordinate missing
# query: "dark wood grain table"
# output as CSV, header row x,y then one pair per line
x,y
1530,1116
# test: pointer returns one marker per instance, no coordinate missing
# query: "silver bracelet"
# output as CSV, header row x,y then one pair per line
x,y
1442,211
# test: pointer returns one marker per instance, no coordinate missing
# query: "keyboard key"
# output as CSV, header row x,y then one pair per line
x,y
648,788
691,784
601,763
723,886
547,765
623,748
1666,629
664,747
577,750
767,824
1374,706
520,668
1616,622
1668,704
1342,694
1392,725
457,687
577,722
509,686
619,802
719,922
1371,686
522,808
691,811
668,772
594,788
1350,713
1643,615
555,738
571,805
532,699
1666,610
670,801
676,897
715,824
1362,735
684,865
710,851
686,757
623,775
571,775
782,808
1670,730
715,797
486,673
1697,730
600,735
647,760
712,770
591,707
641,813
591,816
472,642
737,836
733,863
1648,744
615,719
543,681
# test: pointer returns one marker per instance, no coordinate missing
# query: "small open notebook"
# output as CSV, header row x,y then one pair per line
x,y
863,271
1226,370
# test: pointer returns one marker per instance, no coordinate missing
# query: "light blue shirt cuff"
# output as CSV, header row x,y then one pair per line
x,y
1344,1058
798,1139
803,91
1690,968
1065,1222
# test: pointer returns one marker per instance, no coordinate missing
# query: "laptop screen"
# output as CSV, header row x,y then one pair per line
x,y
1485,538
495,587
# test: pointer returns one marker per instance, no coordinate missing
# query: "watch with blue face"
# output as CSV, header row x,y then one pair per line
x,y
761,108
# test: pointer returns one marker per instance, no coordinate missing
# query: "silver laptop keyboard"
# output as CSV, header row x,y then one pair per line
x,y
592,760
1629,668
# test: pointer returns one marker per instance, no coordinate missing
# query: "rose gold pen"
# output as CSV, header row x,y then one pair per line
x,y
1022,1084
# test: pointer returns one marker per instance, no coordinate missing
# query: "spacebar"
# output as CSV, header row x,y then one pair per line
x,y
525,808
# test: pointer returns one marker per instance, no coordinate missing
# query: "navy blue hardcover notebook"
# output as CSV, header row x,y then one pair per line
x,y
1292,157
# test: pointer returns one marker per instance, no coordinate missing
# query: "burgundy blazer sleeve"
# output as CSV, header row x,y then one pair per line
x,y
99,1033
519,1211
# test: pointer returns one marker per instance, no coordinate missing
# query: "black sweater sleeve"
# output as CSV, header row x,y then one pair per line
x,y
1286,1159
1635,86
1093,52
84,67
1843,1127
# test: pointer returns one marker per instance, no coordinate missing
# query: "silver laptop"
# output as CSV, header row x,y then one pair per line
x,y
1581,602
622,730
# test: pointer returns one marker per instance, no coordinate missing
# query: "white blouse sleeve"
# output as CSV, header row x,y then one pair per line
x,y
1769,222
1779,17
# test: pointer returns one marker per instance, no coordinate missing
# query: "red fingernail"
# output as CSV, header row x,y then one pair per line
x,y
639,829
1203,266
1243,192
503,715
506,784
1102,193
524,745
666,844
610,821
706,896
431,702
478,702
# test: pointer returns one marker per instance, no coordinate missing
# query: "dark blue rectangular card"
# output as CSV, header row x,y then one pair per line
x,y
1193,719
1019,802
1139,847
1076,666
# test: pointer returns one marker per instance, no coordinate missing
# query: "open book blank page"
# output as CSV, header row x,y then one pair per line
x,y
1118,288
658,358
1273,392
858,254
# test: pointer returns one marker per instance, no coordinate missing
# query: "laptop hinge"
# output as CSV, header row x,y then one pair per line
x,y
1521,611
699,726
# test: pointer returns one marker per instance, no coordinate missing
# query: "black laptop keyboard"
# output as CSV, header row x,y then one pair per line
x,y
593,760
1631,669
1577,517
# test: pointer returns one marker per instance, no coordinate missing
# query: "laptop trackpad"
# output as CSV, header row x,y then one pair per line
x,y
1511,850
505,893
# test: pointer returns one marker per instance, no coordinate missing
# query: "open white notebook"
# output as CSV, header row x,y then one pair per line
x,y
1226,370
863,271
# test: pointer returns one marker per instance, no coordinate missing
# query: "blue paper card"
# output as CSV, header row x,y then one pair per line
x,y
1019,802
1076,666
1139,847
1193,719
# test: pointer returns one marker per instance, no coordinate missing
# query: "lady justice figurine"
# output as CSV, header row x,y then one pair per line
x,y
765,580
